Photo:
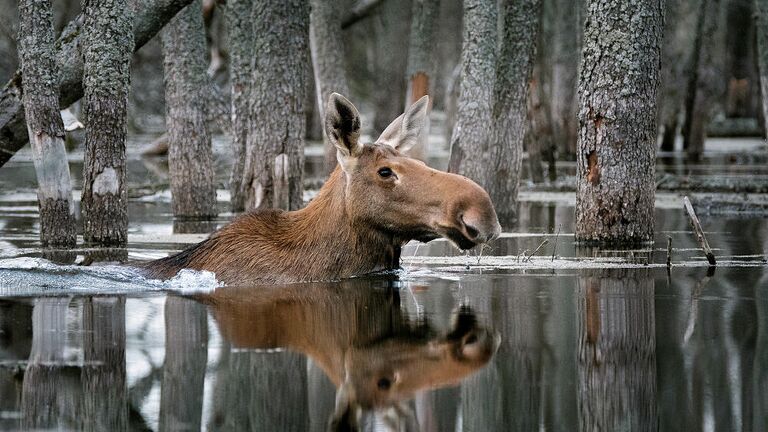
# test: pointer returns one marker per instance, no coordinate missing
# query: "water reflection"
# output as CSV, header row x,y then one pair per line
x,y
359,336
594,350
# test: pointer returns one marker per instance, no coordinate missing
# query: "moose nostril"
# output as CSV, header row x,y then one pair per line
x,y
471,231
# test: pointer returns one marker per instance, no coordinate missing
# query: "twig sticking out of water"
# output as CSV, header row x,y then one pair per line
x,y
669,251
528,258
698,231
554,249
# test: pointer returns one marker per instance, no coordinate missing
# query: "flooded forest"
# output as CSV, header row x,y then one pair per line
x,y
384,215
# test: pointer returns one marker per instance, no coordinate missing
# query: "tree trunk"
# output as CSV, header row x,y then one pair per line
x,y
566,55
150,17
702,80
494,91
240,33
44,124
761,12
107,53
328,61
391,27
739,53
618,86
420,68
616,352
186,357
51,396
675,56
187,97
538,134
104,374
274,163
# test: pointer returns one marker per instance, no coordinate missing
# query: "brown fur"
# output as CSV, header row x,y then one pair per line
x,y
356,334
357,223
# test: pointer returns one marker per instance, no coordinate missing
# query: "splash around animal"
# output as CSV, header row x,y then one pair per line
x,y
376,200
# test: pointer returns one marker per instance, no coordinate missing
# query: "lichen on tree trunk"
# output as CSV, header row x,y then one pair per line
x,y
617,138
187,97
44,124
107,51
276,117
488,137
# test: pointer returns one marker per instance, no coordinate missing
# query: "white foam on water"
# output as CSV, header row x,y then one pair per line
x,y
36,276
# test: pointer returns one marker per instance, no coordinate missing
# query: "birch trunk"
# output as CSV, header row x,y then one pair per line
x,y
328,62
617,138
44,124
150,16
190,156
107,51
240,34
274,163
421,64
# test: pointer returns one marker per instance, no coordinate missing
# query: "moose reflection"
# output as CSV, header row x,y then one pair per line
x,y
358,336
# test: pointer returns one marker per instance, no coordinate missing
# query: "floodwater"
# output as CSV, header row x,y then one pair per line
x,y
501,341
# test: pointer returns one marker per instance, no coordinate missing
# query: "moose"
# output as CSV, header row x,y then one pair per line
x,y
376,200
359,335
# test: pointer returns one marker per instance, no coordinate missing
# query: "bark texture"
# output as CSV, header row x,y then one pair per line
x,y
421,63
274,163
149,17
617,139
566,50
327,47
676,53
761,12
240,34
702,80
187,97
487,142
391,26
107,53
616,352
44,124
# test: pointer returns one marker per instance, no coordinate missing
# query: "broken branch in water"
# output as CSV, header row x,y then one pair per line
x,y
669,251
554,249
528,258
698,231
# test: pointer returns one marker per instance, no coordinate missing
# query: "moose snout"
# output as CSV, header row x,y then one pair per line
x,y
480,226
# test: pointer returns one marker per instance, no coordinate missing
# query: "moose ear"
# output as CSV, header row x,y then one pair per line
x,y
342,127
403,133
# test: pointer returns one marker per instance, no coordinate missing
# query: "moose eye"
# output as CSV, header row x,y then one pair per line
x,y
384,384
385,172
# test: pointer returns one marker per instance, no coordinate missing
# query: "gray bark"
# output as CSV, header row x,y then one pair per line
x,y
391,26
702,80
421,63
616,352
149,17
107,50
187,98
327,47
618,86
761,12
44,124
274,163
675,56
240,34
488,137
186,357
566,56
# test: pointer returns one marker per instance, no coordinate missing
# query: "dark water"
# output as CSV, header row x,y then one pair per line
x,y
428,349
609,349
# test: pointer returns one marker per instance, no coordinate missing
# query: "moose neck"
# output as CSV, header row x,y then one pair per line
x,y
348,247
